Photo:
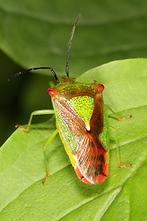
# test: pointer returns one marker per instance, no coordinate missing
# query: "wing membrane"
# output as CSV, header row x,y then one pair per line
x,y
90,158
86,148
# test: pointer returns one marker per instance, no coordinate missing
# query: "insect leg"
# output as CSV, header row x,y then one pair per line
x,y
115,116
49,140
36,113
121,163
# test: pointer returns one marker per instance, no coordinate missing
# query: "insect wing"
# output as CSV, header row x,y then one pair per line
x,y
84,150
91,160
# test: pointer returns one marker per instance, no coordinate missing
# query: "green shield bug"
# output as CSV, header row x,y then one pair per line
x,y
82,123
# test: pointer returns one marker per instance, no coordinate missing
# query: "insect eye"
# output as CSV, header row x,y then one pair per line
x,y
100,87
52,91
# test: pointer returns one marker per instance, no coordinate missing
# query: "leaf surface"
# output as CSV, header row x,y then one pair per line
x,y
63,197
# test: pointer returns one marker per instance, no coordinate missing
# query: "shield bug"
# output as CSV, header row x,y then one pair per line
x,y
81,120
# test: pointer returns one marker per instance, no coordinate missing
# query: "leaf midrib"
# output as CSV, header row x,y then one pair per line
x,y
90,200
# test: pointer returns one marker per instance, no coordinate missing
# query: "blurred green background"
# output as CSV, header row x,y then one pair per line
x,y
35,33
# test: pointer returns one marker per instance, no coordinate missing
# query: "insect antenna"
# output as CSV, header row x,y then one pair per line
x,y
39,68
69,45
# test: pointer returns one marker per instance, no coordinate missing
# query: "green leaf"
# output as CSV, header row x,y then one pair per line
x,y
35,32
63,197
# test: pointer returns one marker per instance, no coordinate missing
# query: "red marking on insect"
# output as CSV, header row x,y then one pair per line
x,y
79,174
105,169
52,91
100,87
100,178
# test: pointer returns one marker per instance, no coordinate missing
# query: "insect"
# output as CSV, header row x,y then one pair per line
x,y
82,123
